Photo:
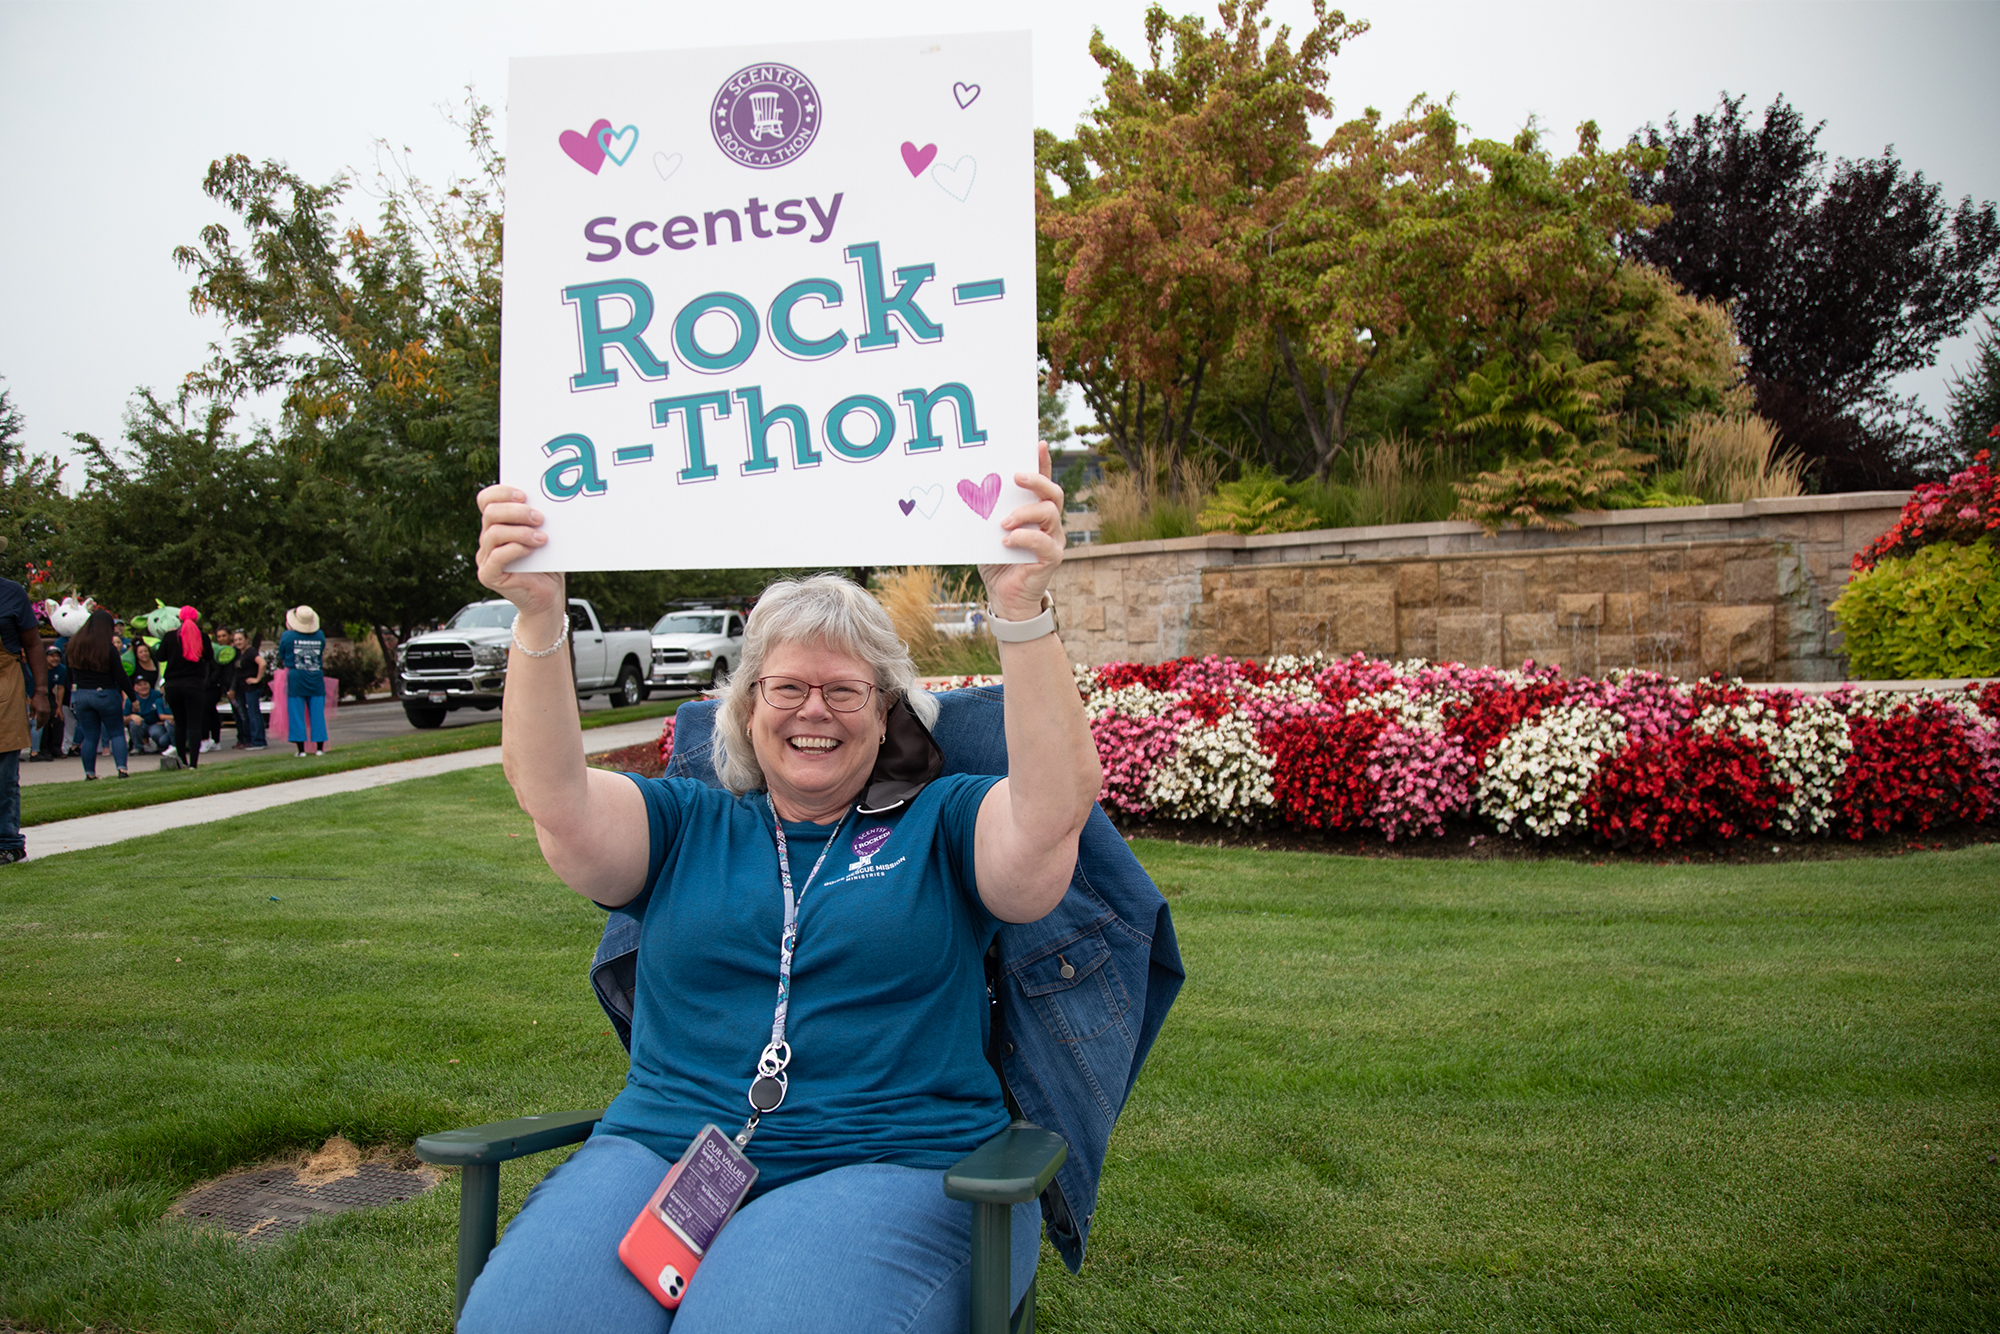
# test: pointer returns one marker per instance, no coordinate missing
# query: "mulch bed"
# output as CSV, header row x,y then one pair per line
x,y
642,759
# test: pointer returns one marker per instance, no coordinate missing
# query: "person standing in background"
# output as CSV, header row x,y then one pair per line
x,y
221,680
24,691
97,692
186,658
302,653
57,676
144,668
251,673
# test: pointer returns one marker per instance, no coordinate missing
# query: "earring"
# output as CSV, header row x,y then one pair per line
x,y
884,741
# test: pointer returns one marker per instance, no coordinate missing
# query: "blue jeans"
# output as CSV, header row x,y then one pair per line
x,y
100,715
10,810
137,735
296,710
871,1249
250,718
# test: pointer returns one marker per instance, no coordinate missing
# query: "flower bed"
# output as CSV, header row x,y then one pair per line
x,y
1644,761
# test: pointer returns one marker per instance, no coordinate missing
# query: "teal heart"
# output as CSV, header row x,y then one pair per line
x,y
626,140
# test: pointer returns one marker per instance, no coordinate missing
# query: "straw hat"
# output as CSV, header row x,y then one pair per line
x,y
302,619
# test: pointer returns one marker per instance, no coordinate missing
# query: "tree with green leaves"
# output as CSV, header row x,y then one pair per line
x,y
1975,397
34,511
1152,216
386,346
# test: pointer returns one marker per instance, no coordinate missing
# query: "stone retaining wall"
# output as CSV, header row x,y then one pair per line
x,y
1741,589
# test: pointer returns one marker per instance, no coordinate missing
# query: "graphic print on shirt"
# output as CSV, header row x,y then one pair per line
x,y
866,844
306,654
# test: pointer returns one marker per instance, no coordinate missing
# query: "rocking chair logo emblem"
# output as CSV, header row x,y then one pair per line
x,y
765,116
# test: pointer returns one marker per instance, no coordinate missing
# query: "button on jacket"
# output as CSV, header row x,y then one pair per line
x,y
1083,991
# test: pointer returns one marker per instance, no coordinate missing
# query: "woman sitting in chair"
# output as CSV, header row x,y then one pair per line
x,y
878,1034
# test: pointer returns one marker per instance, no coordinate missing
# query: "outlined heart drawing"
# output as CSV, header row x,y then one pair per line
x,y
618,146
666,164
906,506
925,498
916,159
584,149
981,497
966,93
956,181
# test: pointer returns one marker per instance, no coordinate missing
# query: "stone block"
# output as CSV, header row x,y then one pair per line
x,y
1469,637
1364,620
1737,641
1503,592
1417,583
1750,578
1628,613
1090,617
1531,634
1574,610
1301,633
1416,631
1243,622
1143,629
1460,583
1860,527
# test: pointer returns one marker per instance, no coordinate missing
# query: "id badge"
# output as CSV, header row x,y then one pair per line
x,y
666,1242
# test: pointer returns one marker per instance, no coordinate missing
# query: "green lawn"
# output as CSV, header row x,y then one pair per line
x,y
1395,1095
45,803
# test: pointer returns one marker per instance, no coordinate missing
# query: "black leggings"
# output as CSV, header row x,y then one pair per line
x,y
188,701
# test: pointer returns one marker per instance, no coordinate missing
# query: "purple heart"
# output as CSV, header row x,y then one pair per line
x,y
583,149
981,496
906,506
916,159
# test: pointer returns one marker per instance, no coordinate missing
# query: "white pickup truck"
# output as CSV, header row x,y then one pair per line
x,y
695,648
465,663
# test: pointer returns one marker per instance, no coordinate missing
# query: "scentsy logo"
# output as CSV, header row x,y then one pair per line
x,y
765,115
869,841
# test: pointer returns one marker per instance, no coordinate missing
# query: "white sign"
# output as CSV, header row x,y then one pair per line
x,y
771,305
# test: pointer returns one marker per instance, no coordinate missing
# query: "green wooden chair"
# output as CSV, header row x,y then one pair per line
x,y
1011,1168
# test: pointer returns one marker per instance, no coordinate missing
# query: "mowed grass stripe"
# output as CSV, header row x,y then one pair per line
x,y
1394,1095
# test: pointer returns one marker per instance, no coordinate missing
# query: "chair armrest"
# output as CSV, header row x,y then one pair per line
x,y
503,1140
1011,1168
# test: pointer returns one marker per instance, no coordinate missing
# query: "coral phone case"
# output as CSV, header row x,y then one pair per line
x,y
700,1193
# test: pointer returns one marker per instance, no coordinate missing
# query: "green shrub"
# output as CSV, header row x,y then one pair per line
x,y
1258,503
1933,614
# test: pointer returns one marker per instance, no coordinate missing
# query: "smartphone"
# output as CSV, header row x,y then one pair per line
x,y
700,1193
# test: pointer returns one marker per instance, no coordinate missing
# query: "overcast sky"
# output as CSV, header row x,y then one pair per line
x,y
113,112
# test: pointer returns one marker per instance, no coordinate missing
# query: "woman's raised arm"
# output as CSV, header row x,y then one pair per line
x,y
1030,821
591,824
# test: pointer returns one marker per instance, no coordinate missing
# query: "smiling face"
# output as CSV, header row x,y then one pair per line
x,y
815,760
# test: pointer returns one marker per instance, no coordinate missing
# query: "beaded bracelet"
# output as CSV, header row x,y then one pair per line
x,y
548,652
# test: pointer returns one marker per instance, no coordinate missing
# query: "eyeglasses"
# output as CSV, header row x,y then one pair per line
x,y
784,692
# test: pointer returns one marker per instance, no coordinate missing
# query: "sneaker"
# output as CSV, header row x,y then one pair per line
x,y
8,856
123,774
239,746
167,749
256,745
298,754
207,746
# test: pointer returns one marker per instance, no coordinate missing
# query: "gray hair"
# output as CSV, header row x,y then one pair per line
x,y
824,609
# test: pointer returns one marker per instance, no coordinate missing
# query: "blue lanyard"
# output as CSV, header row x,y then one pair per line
x,y
767,1090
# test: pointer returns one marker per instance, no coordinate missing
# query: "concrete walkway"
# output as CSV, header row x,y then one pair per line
x,y
95,831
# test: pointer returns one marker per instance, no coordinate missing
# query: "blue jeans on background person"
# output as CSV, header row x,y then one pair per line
x,y
138,734
297,707
249,715
10,806
856,1250
100,715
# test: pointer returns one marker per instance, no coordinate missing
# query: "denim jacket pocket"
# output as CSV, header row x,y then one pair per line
x,y
1076,988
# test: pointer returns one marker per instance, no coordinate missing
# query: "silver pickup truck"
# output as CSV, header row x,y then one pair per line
x,y
465,663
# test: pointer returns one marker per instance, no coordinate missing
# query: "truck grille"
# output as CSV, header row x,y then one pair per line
x,y
438,658
670,655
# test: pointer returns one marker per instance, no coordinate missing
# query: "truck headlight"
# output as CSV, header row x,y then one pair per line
x,y
701,654
489,655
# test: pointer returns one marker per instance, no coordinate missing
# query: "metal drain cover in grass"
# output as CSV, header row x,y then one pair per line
x,y
266,1203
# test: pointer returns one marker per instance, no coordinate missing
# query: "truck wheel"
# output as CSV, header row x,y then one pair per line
x,y
424,715
719,677
628,691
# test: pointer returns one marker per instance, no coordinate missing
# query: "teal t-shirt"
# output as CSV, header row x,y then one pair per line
x,y
888,1016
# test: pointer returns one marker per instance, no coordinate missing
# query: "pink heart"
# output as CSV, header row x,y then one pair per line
x,y
583,149
916,159
981,496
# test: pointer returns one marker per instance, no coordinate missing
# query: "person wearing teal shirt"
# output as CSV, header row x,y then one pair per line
x,y
826,915
302,653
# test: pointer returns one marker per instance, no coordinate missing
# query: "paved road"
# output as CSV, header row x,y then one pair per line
x,y
94,831
350,723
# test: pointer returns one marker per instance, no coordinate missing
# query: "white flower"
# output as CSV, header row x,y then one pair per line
x,y
1216,772
1536,777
